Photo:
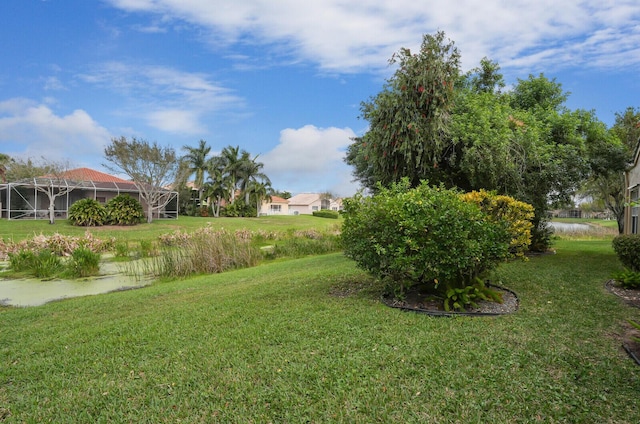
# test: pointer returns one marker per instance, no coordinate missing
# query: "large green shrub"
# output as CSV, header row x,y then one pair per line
x,y
124,210
627,247
426,235
326,213
87,213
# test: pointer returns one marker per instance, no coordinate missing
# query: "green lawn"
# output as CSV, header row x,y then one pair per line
x,y
275,344
19,229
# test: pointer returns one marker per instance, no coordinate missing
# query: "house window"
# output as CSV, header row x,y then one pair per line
x,y
276,208
314,208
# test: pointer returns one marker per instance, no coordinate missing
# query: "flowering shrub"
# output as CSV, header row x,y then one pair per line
x,y
426,235
516,214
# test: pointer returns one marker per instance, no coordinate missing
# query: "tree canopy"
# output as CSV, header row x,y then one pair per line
x,y
150,166
432,123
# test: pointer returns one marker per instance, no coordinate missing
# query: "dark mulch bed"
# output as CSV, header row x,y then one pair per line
x,y
632,298
419,299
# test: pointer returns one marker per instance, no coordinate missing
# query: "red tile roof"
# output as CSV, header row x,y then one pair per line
x,y
87,174
277,199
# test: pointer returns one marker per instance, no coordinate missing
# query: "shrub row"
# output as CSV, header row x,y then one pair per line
x,y
121,210
326,213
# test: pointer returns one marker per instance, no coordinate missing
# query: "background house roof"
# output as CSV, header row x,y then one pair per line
x,y
304,199
278,199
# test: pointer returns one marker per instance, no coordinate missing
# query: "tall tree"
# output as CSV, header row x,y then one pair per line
x,y
409,120
196,158
233,159
260,191
150,166
217,185
609,162
4,162
250,174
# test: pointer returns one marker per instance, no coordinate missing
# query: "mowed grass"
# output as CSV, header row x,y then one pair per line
x,y
21,229
276,343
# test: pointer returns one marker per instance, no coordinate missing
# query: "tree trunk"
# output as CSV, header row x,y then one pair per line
x,y
149,214
52,212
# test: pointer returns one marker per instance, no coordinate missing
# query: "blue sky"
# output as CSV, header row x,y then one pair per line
x,y
280,78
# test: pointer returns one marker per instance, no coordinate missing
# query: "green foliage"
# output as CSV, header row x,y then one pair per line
x,y
523,143
205,251
425,235
505,209
22,260
458,298
121,249
150,166
304,243
627,247
124,210
83,263
46,264
238,209
87,213
147,249
409,119
628,279
326,213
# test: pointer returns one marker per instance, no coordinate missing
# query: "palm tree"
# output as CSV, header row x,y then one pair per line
x,y
251,173
196,158
216,186
261,190
233,159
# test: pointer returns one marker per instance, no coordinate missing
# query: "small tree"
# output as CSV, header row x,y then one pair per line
x,y
150,167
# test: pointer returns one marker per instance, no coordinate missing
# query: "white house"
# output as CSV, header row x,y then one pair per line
x,y
275,206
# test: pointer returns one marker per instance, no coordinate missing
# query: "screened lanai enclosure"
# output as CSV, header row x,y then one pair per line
x,y
28,198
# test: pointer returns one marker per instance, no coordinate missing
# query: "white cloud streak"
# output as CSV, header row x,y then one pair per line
x,y
186,97
43,133
352,37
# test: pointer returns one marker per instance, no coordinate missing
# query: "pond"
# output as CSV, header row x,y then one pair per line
x,y
35,292
567,227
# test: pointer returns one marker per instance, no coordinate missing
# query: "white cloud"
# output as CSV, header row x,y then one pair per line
x,y
346,36
176,121
310,159
43,133
168,99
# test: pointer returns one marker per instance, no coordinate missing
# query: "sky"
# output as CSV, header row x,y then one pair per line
x,y
282,79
